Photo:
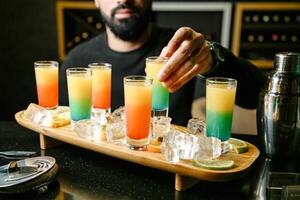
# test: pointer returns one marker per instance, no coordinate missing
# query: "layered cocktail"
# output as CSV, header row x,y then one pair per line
x,y
46,75
101,95
138,101
220,98
160,95
80,93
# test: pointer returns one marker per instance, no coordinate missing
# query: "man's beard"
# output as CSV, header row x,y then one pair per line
x,y
129,29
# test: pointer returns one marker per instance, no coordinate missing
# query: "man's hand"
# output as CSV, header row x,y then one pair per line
x,y
188,55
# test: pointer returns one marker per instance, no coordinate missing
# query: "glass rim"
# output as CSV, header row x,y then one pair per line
x,y
100,65
221,80
46,63
78,70
138,78
157,58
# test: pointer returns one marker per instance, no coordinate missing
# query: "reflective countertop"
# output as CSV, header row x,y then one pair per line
x,y
84,174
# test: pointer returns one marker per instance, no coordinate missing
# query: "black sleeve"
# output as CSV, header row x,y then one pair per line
x,y
250,79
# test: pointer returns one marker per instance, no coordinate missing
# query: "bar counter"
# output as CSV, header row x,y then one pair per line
x,y
85,174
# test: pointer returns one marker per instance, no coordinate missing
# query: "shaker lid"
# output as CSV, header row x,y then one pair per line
x,y
287,62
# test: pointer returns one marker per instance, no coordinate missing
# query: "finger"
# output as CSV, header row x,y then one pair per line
x,y
194,64
164,52
204,59
186,49
179,36
184,79
187,66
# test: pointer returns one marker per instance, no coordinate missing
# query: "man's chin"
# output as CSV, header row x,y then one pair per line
x,y
128,29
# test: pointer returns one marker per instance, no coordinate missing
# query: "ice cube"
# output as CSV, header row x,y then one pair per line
x,y
43,118
189,146
99,115
47,117
115,132
171,154
88,129
170,147
32,110
209,148
179,145
38,115
160,126
196,126
118,114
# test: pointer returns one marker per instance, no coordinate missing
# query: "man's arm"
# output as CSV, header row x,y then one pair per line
x,y
190,55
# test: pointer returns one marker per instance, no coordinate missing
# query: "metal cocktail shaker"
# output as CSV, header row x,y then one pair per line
x,y
278,111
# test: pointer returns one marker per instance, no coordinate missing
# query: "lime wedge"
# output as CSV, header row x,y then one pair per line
x,y
215,164
238,146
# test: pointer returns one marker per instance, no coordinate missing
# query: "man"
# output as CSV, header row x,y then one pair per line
x,y
130,38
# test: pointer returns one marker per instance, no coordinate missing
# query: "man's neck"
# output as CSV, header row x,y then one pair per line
x,y
120,45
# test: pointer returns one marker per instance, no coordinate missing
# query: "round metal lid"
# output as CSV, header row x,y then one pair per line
x,y
24,170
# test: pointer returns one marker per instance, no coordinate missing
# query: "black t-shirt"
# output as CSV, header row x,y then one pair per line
x,y
133,63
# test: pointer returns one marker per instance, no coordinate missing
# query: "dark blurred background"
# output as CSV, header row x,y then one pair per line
x,y
27,33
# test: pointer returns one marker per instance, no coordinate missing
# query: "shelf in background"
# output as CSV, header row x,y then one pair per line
x,y
263,29
248,45
263,26
263,64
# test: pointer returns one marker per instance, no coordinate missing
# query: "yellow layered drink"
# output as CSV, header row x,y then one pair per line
x,y
220,98
80,93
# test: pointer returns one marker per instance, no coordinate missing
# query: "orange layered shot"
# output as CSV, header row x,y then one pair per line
x,y
101,88
47,86
138,100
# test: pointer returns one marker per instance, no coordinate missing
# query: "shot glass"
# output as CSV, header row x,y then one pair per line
x,y
138,101
220,98
160,95
101,91
46,76
80,93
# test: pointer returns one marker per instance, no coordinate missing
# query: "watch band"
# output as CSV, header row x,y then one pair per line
x,y
217,56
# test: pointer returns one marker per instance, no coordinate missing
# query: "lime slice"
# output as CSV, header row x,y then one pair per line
x,y
238,146
215,164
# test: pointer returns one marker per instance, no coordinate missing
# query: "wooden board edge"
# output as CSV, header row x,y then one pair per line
x,y
180,168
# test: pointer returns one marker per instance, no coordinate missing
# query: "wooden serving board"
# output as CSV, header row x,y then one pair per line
x,y
186,174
